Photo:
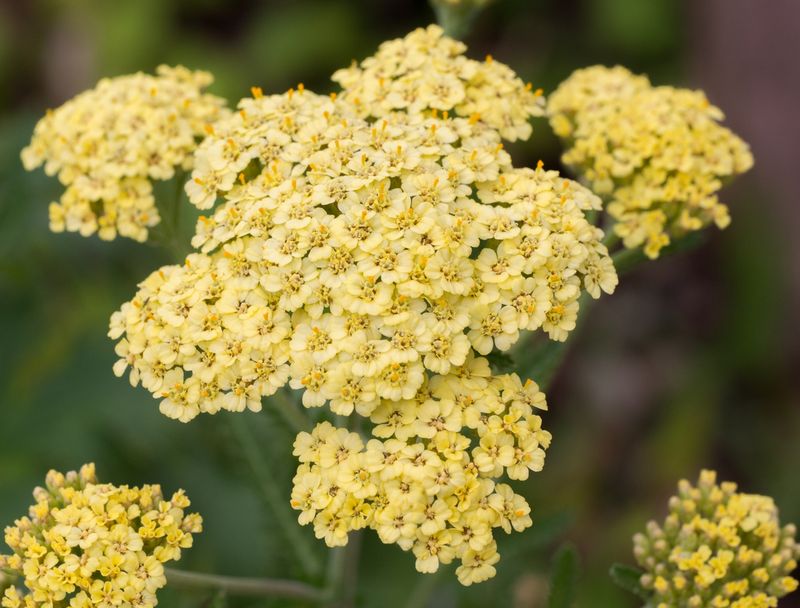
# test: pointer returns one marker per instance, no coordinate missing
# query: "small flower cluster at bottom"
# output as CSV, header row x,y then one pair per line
x,y
718,548
429,494
89,544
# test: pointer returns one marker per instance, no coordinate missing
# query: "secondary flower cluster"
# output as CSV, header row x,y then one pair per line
x,y
658,153
426,487
90,544
354,258
428,72
718,547
107,143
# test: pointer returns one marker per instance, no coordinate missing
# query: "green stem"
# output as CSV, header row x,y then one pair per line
x,y
343,562
276,502
180,178
292,412
611,238
626,260
244,586
457,18
342,576
422,592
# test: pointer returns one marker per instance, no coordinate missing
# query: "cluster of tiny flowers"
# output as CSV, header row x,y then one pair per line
x,y
658,153
107,143
89,544
427,72
353,259
425,486
718,548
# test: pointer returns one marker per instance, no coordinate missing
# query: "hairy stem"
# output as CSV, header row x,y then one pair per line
x,y
275,500
236,585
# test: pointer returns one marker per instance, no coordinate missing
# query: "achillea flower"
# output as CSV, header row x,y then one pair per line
x,y
353,259
108,143
718,547
426,72
90,544
658,154
425,484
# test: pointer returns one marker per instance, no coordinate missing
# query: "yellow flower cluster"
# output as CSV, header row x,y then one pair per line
x,y
88,544
353,258
107,143
423,488
427,72
658,153
718,548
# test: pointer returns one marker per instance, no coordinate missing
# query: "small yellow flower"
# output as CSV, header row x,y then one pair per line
x,y
658,154
108,143
718,547
354,260
426,73
425,486
91,544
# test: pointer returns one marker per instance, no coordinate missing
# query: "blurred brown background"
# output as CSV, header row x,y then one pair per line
x,y
694,362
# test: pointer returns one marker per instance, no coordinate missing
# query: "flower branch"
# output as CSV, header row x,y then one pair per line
x,y
245,586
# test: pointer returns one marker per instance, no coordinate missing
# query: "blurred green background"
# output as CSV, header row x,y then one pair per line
x,y
692,363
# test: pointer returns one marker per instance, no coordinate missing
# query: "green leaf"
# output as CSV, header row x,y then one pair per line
x,y
563,578
218,600
629,579
502,363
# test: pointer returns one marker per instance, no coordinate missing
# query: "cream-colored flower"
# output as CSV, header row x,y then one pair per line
x,y
108,143
658,154
426,72
91,544
352,278
425,487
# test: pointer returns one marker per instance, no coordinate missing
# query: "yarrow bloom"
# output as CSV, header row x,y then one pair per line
x,y
89,544
426,72
108,143
658,154
719,548
426,485
355,258
370,255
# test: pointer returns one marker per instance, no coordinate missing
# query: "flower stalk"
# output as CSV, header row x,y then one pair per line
x,y
457,16
273,497
236,585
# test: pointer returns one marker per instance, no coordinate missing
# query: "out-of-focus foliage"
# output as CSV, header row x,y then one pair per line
x,y
688,365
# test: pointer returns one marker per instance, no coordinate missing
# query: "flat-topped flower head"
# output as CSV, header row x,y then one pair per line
x,y
718,547
659,155
86,544
423,482
427,72
107,145
354,259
